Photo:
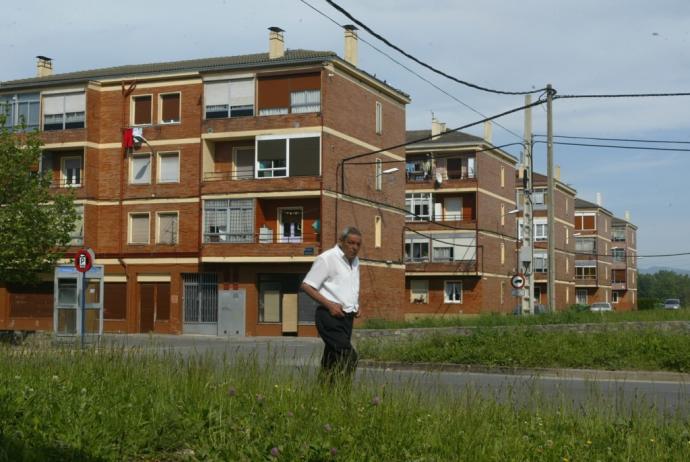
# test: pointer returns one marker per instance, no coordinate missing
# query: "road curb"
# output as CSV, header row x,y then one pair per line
x,y
586,374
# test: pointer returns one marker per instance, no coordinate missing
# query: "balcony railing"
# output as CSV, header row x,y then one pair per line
x,y
260,238
66,183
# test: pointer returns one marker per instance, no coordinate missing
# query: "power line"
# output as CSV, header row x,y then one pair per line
x,y
630,140
441,156
412,71
422,63
621,95
615,146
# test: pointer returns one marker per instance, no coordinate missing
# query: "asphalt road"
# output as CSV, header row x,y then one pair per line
x,y
619,391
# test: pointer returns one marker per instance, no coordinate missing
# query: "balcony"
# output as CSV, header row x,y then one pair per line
x,y
441,252
619,285
443,171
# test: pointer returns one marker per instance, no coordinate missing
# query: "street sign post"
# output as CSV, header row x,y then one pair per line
x,y
518,281
83,261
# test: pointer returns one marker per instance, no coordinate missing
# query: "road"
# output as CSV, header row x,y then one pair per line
x,y
665,392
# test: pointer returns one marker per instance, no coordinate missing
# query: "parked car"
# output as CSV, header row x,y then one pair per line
x,y
672,304
600,307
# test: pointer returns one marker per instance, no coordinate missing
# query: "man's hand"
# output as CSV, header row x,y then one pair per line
x,y
358,313
336,310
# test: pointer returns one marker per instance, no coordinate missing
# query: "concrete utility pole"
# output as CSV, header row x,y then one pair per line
x,y
527,247
550,234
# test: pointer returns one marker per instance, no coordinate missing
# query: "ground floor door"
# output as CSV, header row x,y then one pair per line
x,y
200,302
154,304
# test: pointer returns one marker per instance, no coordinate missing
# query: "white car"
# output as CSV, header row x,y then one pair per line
x,y
672,304
600,307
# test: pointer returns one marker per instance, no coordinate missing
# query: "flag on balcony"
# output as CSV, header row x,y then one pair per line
x,y
128,138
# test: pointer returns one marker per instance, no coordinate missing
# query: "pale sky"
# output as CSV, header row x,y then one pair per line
x,y
579,46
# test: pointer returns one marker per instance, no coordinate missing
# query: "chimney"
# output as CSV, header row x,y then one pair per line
x,y
276,44
351,44
627,216
488,129
44,66
437,127
599,199
557,175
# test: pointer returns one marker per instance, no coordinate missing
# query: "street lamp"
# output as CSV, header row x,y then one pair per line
x,y
389,170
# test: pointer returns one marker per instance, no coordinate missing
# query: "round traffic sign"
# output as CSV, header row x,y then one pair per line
x,y
518,281
83,260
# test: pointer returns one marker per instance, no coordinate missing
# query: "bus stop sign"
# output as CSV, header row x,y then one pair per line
x,y
83,260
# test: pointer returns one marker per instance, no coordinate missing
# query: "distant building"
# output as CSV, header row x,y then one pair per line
x,y
624,265
593,262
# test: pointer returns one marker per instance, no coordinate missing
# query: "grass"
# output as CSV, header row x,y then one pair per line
x,y
562,317
527,347
59,404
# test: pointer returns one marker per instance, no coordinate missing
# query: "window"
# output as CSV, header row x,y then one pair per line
x,y
243,162
141,110
454,247
452,209
443,252
269,302
21,109
168,167
293,156
229,98
305,101
70,171
540,262
418,206
539,198
138,228
64,111
200,297
615,297
581,296
379,118
452,291
416,250
378,174
540,231
567,207
77,234
140,169
290,225
169,107
279,294
460,167
167,228
618,276
419,291
585,221
377,231
586,245
585,270
229,220
618,234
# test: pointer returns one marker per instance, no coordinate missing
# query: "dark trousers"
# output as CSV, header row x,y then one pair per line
x,y
339,357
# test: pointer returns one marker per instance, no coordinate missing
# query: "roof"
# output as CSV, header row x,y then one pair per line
x,y
621,222
583,204
226,63
539,179
449,140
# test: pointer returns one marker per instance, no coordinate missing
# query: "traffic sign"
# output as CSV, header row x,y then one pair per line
x,y
83,260
518,281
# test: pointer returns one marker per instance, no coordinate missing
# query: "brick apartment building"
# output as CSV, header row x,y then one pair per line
x,y
624,264
593,268
460,238
229,184
564,211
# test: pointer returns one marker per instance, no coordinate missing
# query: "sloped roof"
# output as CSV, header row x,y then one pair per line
x,y
583,204
191,65
621,222
445,138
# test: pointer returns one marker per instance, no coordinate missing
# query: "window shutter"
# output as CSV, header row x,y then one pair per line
x,y
140,229
216,93
171,108
53,104
304,156
75,102
241,92
142,110
167,228
169,165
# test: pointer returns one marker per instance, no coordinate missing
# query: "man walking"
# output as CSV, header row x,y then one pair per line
x,y
333,282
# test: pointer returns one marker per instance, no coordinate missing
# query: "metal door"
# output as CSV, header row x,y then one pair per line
x,y
231,320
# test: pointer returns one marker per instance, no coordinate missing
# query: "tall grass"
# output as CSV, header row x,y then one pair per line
x,y
137,405
561,317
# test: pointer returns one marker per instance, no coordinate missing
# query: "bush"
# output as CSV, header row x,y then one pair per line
x,y
647,303
578,307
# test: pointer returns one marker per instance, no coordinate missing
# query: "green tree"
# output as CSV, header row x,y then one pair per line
x,y
35,225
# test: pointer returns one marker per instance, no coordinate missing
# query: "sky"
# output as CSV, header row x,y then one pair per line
x,y
578,46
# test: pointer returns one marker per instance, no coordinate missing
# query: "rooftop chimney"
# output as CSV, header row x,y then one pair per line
x,y
627,216
437,127
557,175
351,44
44,66
276,44
488,129
599,199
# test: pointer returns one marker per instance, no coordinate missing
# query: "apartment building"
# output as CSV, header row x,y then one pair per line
x,y
459,230
623,264
207,187
593,246
564,212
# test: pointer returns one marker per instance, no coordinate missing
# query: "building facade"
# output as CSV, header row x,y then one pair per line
x,y
593,262
623,265
459,234
212,184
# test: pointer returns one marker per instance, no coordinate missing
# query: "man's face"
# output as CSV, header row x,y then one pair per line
x,y
350,246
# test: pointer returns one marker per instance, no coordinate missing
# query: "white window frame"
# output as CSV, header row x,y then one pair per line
x,y
77,233
132,115
17,101
131,168
419,294
615,297
176,240
445,291
129,230
179,108
302,108
578,298
63,170
379,118
414,199
412,241
287,139
159,168
64,109
542,257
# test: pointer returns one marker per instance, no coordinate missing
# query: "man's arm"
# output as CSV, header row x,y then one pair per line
x,y
334,308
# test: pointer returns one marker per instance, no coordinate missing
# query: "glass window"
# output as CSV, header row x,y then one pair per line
x,y
139,228
586,245
416,250
71,171
229,220
67,292
581,296
618,254
167,228
452,292
419,291
77,234
418,206
540,231
540,262
142,110
305,101
170,108
443,253
271,158
168,167
141,169
233,98
64,111
21,109
301,154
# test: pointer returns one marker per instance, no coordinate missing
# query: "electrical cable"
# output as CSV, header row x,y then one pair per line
x,y
621,95
630,140
413,72
442,156
613,146
422,63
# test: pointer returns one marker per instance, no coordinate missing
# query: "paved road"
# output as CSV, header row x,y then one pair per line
x,y
666,392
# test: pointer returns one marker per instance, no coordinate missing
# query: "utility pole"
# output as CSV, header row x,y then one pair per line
x,y
550,234
527,247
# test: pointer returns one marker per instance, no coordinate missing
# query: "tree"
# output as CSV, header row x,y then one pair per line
x,y
35,225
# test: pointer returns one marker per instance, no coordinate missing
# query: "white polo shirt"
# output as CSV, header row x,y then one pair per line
x,y
337,280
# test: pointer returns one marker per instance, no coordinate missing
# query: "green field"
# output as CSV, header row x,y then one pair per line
x,y
58,404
